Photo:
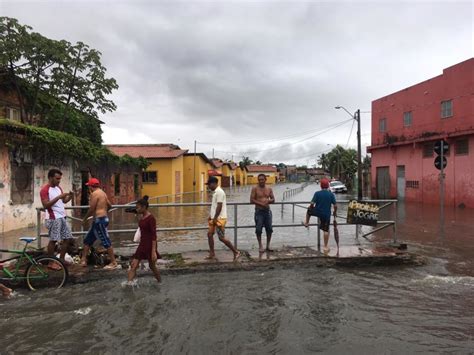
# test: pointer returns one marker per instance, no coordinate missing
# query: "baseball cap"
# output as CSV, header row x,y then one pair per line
x,y
324,183
212,179
93,182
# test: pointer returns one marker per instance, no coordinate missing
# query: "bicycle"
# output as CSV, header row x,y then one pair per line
x,y
37,271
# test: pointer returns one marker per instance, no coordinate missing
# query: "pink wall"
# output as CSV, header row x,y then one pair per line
x,y
406,148
424,101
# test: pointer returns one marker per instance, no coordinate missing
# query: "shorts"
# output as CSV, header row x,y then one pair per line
x,y
58,229
324,222
263,218
99,231
219,226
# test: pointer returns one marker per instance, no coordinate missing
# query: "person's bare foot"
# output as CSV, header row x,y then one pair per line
x,y
237,255
83,263
111,266
210,257
261,250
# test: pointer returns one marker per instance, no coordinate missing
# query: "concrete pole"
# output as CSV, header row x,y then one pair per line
x,y
359,158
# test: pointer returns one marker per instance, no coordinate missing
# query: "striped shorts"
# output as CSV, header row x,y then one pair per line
x,y
58,229
99,231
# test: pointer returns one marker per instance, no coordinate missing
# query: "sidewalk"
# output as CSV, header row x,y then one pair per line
x,y
194,261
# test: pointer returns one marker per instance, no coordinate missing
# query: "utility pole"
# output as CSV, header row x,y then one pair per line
x,y
359,157
194,172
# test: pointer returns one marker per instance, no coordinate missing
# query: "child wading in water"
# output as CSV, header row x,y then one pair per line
x,y
147,249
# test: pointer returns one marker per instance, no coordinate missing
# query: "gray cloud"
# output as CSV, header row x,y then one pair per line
x,y
227,72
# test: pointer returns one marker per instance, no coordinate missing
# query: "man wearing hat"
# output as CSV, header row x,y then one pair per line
x,y
99,204
321,208
218,218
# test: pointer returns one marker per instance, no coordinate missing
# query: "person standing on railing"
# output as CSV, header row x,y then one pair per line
x,y
262,196
53,199
99,204
217,219
321,207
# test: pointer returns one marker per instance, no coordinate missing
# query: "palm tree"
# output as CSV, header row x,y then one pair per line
x,y
245,162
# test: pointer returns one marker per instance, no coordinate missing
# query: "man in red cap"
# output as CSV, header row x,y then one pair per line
x,y
99,204
321,208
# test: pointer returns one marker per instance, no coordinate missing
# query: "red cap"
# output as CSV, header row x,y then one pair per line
x,y
324,183
93,182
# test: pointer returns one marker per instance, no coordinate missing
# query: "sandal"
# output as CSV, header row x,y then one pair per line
x,y
111,267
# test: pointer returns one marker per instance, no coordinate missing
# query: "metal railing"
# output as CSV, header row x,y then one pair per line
x,y
200,194
289,193
301,204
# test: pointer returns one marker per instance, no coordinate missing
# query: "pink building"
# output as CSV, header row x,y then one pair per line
x,y
405,126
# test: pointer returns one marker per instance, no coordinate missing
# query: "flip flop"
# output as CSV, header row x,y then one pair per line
x,y
210,257
54,267
111,267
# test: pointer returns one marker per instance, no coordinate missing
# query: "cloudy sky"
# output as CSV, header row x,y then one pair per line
x,y
251,78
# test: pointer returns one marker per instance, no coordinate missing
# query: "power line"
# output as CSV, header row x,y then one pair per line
x,y
270,139
289,144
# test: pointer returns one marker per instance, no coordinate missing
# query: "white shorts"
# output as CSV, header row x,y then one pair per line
x,y
58,229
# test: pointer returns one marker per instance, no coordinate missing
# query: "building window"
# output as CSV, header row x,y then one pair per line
x,y
461,147
428,150
412,184
383,125
136,184
407,119
117,184
22,184
150,177
446,108
13,114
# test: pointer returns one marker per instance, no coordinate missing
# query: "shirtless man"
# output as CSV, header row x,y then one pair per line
x,y
99,204
262,196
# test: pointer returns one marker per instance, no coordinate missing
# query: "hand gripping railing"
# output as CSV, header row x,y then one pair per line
x,y
301,204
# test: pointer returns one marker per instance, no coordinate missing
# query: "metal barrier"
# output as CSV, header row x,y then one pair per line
x,y
201,194
296,190
302,204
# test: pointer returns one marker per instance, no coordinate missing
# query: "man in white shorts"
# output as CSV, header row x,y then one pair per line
x,y
53,199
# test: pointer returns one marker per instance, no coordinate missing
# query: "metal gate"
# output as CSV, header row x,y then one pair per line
x,y
383,182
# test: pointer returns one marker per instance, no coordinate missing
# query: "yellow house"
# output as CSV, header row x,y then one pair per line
x,y
253,171
241,176
165,174
196,169
228,174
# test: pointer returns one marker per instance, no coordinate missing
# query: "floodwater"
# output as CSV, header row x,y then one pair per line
x,y
294,310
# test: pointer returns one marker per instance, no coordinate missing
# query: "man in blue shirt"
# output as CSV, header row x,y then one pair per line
x,y
321,208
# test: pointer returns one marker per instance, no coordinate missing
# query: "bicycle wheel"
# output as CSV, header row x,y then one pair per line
x,y
48,272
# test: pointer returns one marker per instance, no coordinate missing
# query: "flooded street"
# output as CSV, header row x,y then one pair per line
x,y
293,310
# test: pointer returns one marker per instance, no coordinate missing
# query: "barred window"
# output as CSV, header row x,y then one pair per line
x,y
428,150
150,177
412,184
446,108
407,119
461,147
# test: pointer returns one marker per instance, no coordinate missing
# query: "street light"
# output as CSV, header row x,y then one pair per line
x,y
356,116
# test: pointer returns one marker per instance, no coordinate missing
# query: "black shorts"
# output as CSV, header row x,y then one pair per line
x,y
323,221
263,218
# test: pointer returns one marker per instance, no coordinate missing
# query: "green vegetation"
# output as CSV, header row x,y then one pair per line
x,y
52,144
341,163
58,85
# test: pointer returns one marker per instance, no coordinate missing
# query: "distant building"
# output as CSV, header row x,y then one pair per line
x,y
253,171
196,170
405,127
165,174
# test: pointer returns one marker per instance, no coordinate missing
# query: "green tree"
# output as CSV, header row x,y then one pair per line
x,y
245,162
66,84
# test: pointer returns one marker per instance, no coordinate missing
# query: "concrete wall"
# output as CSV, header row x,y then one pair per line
x,y
459,182
15,216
